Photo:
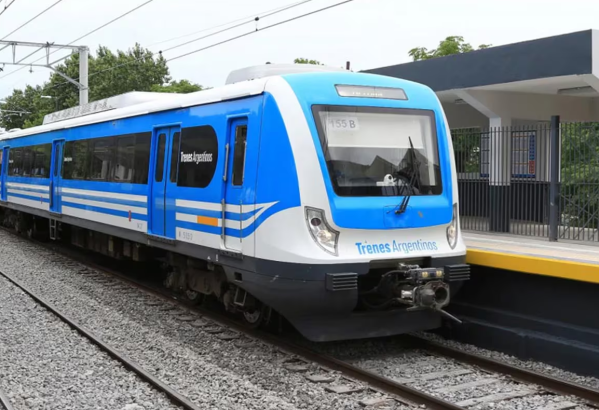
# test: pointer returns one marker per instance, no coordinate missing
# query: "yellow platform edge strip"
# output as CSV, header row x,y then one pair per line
x,y
565,269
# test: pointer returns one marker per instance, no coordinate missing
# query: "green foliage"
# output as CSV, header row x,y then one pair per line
x,y
135,69
451,45
28,100
466,148
580,174
180,87
306,61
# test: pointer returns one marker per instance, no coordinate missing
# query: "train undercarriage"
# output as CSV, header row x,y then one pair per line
x,y
197,281
407,296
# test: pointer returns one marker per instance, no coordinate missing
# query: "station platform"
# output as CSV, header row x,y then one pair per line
x,y
567,260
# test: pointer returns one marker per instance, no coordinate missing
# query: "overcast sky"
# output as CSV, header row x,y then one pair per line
x,y
369,33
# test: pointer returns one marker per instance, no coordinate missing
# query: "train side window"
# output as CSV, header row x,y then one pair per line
x,y
142,157
160,157
239,154
76,160
27,162
124,169
198,156
56,157
101,158
175,156
15,161
42,158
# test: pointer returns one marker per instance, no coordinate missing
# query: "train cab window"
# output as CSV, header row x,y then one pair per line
x,y
239,154
101,159
198,156
175,156
160,158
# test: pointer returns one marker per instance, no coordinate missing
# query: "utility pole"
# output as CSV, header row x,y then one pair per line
x,y
83,51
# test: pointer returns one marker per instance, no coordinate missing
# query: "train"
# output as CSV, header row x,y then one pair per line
x,y
319,195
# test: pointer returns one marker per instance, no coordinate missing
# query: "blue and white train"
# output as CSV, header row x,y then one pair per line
x,y
326,196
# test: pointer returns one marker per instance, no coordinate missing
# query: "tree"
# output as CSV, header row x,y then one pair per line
x,y
451,45
110,74
181,87
306,61
27,100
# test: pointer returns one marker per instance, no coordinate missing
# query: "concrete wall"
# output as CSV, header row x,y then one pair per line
x,y
464,116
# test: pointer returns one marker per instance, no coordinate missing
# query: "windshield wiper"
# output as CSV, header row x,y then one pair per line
x,y
411,184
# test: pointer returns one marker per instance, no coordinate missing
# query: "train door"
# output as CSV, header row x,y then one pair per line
x,y
3,172
56,176
162,207
234,179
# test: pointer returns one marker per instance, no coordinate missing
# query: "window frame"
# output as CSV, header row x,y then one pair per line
x,y
430,113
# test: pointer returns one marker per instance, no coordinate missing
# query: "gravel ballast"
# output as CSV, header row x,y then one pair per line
x,y
189,354
172,345
44,364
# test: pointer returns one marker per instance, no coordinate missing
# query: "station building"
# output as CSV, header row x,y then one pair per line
x,y
524,120
514,90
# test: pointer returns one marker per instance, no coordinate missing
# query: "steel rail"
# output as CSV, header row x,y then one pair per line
x,y
548,382
175,396
5,402
397,391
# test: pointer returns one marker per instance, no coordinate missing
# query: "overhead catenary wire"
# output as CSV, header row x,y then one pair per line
x,y
31,19
252,17
85,35
7,6
215,44
260,29
248,19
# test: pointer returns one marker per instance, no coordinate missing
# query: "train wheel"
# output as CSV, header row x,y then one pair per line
x,y
193,297
256,317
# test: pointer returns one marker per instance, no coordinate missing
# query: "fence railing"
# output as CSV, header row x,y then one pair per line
x,y
540,180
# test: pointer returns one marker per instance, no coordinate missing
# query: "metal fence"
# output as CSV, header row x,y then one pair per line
x,y
508,176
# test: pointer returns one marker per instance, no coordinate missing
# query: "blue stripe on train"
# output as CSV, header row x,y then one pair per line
x,y
30,197
216,230
140,203
29,189
106,211
218,214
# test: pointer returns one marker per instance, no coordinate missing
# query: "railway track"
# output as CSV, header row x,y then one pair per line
x,y
175,396
5,402
370,387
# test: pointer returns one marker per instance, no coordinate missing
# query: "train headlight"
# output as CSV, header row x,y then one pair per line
x,y
452,229
324,236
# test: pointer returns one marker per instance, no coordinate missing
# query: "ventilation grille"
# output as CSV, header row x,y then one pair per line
x,y
341,281
456,273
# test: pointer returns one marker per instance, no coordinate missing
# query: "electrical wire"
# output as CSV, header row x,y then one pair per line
x,y
7,6
261,29
252,16
269,13
215,44
83,36
30,20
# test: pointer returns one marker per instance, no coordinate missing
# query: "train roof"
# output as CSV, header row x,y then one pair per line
x,y
240,83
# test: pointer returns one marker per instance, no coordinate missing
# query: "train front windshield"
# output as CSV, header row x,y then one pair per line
x,y
373,151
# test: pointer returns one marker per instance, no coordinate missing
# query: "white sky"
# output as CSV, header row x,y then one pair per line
x,y
369,33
